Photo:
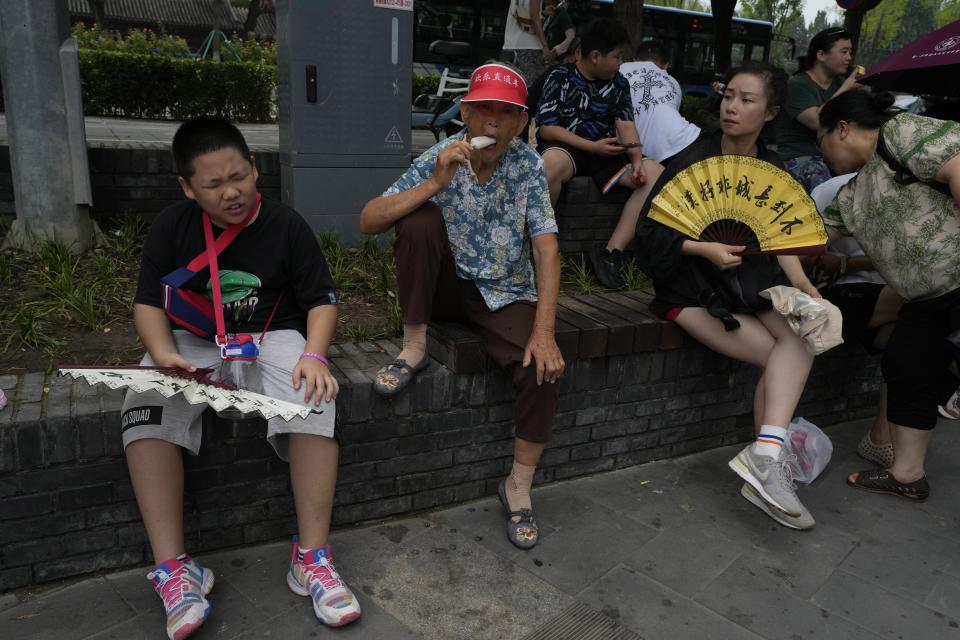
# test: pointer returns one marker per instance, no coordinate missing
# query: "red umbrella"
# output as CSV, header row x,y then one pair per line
x,y
929,65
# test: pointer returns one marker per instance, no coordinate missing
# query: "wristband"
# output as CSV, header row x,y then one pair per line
x,y
315,356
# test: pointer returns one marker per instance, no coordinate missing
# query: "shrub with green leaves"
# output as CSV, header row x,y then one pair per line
x,y
147,42
148,86
424,84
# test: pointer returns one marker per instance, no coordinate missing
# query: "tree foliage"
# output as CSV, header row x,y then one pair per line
x,y
785,16
949,12
895,23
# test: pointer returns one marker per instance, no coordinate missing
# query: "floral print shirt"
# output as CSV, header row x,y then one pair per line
x,y
490,225
911,232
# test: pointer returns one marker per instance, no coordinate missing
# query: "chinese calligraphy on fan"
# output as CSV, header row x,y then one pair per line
x,y
747,190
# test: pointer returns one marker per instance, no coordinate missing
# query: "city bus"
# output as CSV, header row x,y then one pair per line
x,y
688,35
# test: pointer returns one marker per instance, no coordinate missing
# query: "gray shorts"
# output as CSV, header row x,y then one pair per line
x,y
150,415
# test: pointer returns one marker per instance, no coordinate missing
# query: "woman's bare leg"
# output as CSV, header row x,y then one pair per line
x,y
765,341
785,374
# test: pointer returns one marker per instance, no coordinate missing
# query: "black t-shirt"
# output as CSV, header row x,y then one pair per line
x,y
277,253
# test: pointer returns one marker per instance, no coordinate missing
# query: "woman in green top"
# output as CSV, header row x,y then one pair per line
x,y
828,57
903,207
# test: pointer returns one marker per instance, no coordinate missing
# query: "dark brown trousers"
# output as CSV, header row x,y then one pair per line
x,y
430,290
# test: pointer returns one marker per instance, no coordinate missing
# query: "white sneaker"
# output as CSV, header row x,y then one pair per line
x,y
805,521
772,478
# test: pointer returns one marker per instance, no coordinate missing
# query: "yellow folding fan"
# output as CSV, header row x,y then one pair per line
x,y
739,200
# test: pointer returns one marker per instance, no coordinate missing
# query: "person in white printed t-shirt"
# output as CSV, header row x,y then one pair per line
x,y
656,97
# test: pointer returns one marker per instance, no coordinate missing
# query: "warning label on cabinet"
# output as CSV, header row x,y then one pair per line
x,y
402,5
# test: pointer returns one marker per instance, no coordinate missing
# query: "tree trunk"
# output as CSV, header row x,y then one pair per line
x,y
722,20
853,20
629,13
99,13
254,10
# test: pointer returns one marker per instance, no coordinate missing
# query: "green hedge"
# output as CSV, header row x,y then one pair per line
x,y
424,84
691,107
129,85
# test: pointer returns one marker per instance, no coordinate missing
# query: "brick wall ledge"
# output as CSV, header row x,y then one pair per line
x,y
647,394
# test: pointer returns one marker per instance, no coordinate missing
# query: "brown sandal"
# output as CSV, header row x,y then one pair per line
x,y
882,481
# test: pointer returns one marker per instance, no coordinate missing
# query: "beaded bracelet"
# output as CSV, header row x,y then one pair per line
x,y
315,356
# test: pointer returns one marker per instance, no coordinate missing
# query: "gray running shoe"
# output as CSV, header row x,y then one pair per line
x,y
805,521
771,477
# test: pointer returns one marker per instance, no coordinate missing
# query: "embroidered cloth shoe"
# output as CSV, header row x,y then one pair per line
x,y
805,521
315,576
771,477
183,584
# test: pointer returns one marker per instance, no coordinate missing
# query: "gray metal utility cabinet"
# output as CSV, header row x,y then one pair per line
x,y
344,100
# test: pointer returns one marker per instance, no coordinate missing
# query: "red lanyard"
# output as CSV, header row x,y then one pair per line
x,y
210,256
213,248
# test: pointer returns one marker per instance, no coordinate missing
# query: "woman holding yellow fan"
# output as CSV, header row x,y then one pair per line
x,y
722,207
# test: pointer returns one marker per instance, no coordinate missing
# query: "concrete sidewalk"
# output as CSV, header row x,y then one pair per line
x,y
665,550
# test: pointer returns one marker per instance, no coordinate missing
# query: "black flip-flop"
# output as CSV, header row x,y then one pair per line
x,y
402,372
519,539
882,481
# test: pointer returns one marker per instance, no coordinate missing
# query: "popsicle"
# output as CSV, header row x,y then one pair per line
x,y
482,142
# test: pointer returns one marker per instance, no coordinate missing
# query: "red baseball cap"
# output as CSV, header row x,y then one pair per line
x,y
497,82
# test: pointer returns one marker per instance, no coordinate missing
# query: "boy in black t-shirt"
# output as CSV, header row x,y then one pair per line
x,y
585,120
273,278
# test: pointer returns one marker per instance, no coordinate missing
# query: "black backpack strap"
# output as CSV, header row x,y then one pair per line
x,y
902,175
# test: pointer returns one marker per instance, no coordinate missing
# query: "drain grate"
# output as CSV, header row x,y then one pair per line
x,y
580,622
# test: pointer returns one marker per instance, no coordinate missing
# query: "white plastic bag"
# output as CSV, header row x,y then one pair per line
x,y
812,449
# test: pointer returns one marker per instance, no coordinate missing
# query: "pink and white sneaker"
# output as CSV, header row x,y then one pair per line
x,y
951,408
183,584
314,575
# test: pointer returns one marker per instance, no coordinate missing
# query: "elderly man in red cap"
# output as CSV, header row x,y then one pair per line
x,y
465,215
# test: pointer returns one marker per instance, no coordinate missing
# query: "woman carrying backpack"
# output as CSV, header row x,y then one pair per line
x,y
903,210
